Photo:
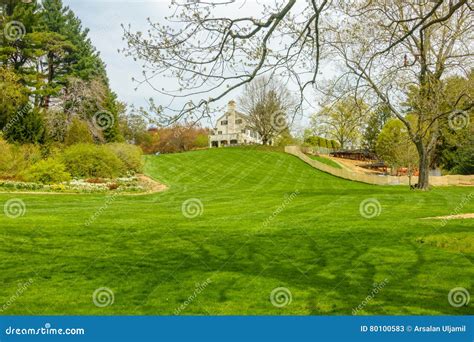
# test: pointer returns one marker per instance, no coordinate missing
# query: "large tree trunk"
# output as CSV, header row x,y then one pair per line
x,y
424,167
51,70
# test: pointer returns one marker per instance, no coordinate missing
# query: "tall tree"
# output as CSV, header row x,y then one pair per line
x,y
395,147
55,61
13,96
268,103
208,52
419,57
341,121
377,120
69,52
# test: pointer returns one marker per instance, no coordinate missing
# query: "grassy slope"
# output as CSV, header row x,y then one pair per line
x,y
326,161
319,246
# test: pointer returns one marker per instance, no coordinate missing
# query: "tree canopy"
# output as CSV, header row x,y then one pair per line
x,y
44,54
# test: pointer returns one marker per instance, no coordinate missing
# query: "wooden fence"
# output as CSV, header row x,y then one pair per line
x,y
378,179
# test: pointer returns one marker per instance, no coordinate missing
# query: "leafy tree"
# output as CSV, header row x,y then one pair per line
x,y
78,133
285,139
17,22
395,147
133,127
28,128
88,99
13,96
57,125
268,103
341,121
454,151
457,157
321,142
115,109
376,122
405,66
73,54
52,73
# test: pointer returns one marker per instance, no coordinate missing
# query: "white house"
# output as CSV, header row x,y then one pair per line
x,y
232,129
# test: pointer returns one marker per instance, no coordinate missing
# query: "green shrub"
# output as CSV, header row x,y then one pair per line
x,y
78,133
15,159
201,141
86,161
130,155
47,171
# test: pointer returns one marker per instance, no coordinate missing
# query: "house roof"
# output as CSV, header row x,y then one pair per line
x,y
245,116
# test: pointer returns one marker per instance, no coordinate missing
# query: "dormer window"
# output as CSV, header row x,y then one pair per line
x,y
224,122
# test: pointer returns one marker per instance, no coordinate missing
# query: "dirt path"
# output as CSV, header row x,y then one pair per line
x,y
150,184
352,165
451,217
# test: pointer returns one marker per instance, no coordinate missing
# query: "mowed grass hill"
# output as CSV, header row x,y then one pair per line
x,y
234,225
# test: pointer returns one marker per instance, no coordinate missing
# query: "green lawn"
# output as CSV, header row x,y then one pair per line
x,y
326,161
268,221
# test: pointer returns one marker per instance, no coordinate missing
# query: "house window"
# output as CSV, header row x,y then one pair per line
x,y
243,131
238,121
224,122
220,132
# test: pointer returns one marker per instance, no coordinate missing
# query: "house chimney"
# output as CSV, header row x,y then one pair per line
x,y
231,106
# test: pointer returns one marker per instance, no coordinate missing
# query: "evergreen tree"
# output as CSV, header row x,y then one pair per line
x,y
28,128
48,57
376,122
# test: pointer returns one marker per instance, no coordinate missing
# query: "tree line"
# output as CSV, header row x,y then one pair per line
x,y
54,85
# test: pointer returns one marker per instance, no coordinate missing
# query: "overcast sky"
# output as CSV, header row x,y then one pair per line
x,y
104,19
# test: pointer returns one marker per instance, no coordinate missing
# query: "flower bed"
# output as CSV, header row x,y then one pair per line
x,y
126,185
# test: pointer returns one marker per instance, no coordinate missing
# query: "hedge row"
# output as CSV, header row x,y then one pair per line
x,y
77,161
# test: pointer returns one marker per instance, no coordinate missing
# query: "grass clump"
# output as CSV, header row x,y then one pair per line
x,y
326,161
